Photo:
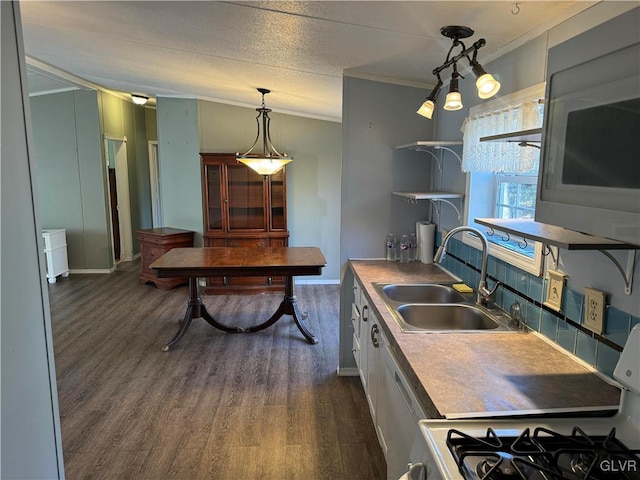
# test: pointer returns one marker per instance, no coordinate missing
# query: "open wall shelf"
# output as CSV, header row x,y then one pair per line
x,y
552,235
430,146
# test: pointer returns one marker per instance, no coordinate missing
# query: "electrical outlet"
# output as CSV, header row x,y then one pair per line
x,y
594,302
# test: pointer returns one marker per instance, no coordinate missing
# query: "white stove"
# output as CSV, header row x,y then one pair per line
x,y
585,448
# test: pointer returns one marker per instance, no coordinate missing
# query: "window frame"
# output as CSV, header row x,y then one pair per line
x,y
480,204
512,178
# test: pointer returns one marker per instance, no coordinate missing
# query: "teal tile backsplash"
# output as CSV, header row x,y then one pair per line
x,y
529,290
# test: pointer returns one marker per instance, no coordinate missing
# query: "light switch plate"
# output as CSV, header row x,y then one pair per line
x,y
555,289
594,305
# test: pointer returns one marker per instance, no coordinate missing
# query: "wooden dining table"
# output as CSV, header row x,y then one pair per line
x,y
195,262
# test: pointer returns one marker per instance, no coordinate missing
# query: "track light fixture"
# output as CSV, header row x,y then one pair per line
x,y
485,83
269,161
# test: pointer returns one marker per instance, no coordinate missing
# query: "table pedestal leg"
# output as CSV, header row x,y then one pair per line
x,y
195,309
289,306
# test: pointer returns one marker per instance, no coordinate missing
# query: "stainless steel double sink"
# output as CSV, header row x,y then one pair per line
x,y
432,307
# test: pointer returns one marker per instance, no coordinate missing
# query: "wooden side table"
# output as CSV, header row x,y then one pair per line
x,y
154,243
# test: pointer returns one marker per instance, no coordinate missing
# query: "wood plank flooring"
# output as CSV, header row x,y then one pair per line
x,y
266,405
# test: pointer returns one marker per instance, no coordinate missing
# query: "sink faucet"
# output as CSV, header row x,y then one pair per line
x,y
484,294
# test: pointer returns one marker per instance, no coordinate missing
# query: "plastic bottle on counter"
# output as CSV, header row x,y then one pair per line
x,y
413,248
391,247
405,249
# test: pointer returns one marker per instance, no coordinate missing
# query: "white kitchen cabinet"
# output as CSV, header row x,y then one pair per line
x,y
394,408
374,341
359,350
368,340
55,251
398,414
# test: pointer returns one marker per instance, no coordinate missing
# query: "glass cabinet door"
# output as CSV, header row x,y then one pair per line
x,y
214,197
246,198
278,202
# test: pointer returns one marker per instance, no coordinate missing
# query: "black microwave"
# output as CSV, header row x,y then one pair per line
x,y
590,173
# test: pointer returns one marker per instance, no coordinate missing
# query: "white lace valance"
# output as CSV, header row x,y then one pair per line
x,y
500,156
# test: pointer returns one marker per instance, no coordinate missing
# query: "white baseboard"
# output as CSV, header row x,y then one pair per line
x,y
311,281
77,271
348,372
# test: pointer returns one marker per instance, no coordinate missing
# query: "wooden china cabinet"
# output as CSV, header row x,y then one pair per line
x,y
242,208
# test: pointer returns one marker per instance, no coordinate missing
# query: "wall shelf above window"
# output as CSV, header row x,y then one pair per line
x,y
533,135
424,145
551,235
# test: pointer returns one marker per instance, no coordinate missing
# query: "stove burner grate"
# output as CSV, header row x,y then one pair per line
x,y
543,454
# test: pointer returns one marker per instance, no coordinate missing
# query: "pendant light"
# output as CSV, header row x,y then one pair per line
x,y
269,161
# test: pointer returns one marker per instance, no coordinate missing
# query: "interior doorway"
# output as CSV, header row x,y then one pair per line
x,y
118,174
154,178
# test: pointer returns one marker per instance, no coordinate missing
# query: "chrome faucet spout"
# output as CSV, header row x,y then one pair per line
x,y
483,293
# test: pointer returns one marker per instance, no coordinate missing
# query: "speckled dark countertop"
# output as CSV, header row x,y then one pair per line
x,y
481,374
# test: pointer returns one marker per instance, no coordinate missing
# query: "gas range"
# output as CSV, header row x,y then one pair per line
x,y
574,448
543,453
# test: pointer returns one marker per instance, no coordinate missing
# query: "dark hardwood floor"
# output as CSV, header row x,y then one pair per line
x,y
222,406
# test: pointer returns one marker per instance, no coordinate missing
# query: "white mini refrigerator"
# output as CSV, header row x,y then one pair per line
x,y
55,251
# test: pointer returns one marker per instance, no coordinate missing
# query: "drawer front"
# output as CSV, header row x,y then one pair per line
x,y
170,241
149,255
214,242
355,319
247,242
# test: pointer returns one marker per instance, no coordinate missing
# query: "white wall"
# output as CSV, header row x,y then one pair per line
x,y
30,443
377,117
179,160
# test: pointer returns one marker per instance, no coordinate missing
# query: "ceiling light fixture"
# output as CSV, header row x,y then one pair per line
x,y
139,99
486,84
270,160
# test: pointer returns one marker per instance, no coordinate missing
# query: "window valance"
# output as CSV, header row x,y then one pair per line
x,y
501,156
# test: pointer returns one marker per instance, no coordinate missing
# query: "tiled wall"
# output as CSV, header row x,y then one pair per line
x,y
564,327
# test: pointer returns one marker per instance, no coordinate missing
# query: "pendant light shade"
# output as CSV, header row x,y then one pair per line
x,y
487,85
454,99
269,161
429,105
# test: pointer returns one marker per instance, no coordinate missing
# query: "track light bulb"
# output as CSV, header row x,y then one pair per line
x,y
429,105
453,101
487,85
426,109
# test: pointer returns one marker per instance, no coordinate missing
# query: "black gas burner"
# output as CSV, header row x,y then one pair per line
x,y
543,454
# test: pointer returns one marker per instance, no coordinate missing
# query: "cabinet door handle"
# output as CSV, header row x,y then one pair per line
x,y
374,335
364,310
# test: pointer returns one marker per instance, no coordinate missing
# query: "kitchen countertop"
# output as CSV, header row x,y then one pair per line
x,y
457,375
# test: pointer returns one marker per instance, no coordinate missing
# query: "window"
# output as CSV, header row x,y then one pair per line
x,y
502,180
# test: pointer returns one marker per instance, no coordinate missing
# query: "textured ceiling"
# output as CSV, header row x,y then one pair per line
x,y
223,51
